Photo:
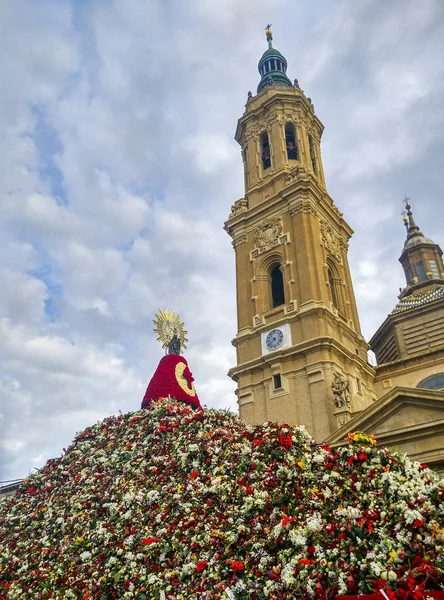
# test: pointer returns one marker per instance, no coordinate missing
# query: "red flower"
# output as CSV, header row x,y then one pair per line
x,y
306,561
286,520
285,440
249,489
31,490
417,561
418,523
201,565
237,565
256,443
148,541
194,474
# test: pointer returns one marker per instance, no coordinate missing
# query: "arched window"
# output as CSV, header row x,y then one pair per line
x,y
434,382
265,150
335,284
420,271
333,290
290,141
277,286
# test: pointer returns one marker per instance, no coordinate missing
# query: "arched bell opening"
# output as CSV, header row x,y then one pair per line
x,y
291,141
265,150
277,286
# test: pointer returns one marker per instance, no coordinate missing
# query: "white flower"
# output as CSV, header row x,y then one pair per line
x,y
297,538
314,523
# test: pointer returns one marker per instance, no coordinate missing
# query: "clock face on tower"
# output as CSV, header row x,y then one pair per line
x,y
274,339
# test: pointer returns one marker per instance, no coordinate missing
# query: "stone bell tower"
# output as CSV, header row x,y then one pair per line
x,y
301,357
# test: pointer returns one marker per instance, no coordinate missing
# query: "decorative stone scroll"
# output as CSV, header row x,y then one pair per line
x,y
290,307
238,207
237,241
268,235
330,240
296,174
342,417
258,320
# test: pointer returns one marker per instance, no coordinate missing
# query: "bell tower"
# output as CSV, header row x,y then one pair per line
x,y
301,357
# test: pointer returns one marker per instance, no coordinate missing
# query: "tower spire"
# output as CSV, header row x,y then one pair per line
x,y
412,228
272,65
421,258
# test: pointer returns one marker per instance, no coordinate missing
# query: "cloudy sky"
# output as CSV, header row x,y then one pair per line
x,y
118,168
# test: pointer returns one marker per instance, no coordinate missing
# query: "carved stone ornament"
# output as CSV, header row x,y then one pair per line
x,y
330,240
238,207
298,173
258,320
302,206
267,235
340,389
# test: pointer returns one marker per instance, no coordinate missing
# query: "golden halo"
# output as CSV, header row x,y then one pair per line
x,y
168,325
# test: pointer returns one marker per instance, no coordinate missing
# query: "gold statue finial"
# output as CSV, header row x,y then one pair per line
x,y
171,332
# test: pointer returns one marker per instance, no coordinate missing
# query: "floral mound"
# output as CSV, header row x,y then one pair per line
x,y
174,503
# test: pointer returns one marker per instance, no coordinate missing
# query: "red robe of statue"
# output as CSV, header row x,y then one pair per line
x,y
172,378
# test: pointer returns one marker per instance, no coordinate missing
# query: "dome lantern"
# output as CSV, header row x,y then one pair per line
x,y
272,66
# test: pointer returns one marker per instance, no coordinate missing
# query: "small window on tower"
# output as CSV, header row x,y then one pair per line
x,y
311,147
434,269
277,383
290,141
420,271
265,149
409,275
277,286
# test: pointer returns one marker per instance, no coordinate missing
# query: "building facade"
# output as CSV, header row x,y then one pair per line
x,y
301,357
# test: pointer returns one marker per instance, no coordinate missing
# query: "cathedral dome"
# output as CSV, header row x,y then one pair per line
x,y
416,240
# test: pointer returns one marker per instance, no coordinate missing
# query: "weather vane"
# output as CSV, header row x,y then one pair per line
x,y
170,331
268,26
